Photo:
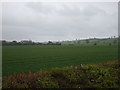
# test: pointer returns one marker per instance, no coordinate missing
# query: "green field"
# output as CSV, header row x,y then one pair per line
x,y
17,59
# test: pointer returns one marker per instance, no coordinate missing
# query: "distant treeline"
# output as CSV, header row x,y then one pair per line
x,y
93,41
27,42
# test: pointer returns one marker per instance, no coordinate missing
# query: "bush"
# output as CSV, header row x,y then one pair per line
x,y
103,75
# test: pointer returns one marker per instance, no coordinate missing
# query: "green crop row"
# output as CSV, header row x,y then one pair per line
x,y
18,59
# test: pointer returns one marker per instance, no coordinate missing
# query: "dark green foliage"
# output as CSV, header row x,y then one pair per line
x,y
95,43
87,41
101,75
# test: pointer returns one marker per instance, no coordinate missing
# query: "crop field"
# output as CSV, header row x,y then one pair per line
x,y
17,59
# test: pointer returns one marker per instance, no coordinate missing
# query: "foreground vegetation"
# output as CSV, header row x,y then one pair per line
x,y
100,75
18,59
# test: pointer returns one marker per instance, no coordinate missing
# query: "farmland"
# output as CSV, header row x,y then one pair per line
x,y
17,59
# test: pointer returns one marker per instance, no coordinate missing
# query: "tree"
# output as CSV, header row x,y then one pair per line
x,y
79,41
87,41
4,42
49,43
57,43
95,43
26,42
14,43
115,41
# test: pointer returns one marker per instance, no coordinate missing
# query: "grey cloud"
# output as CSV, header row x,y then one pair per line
x,y
58,21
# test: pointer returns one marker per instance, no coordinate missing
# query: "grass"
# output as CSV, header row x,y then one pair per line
x,y
100,75
18,59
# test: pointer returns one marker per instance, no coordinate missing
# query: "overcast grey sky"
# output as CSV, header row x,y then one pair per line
x,y
59,21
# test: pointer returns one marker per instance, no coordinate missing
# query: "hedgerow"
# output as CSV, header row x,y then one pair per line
x,y
101,75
